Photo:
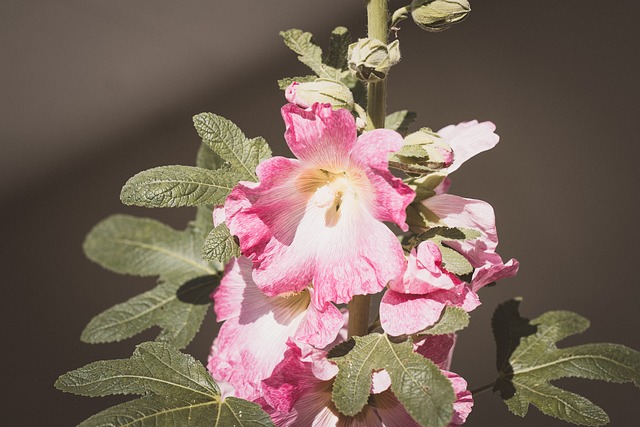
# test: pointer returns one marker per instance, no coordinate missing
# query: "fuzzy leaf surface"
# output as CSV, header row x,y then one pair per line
x,y
177,310
227,141
177,391
453,319
177,186
220,245
310,54
400,121
423,390
285,82
146,247
528,359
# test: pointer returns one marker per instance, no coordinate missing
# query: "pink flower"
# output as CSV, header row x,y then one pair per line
x,y
253,338
468,139
298,394
455,211
319,219
417,301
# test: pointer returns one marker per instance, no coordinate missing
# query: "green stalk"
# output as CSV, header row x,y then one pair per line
x,y
377,16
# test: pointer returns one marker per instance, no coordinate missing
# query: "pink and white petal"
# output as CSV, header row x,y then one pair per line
x,y
437,348
424,272
320,136
443,187
408,314
391,412
468,139
464,400
491,272
392,196
265,217
252,342
218,215
321,325
357,256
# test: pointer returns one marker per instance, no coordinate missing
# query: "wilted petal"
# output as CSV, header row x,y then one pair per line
x,y
464,401
468,139
437,348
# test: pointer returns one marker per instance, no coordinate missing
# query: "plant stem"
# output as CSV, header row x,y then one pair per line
x,y
482,388
377,15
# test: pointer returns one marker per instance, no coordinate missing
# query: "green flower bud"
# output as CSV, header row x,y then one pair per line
x,y
438,15
371,59
422,152
322,90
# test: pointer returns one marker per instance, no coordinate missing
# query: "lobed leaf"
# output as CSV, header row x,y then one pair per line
x,y
310,54
220,245
177,391
228,141
177,186
417,383
177,310
528,359
146,247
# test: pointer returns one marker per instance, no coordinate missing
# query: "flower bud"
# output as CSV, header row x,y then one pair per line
x,y
438,15
371,59
322,90
422,152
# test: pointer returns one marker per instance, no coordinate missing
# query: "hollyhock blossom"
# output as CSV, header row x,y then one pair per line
x,y
455,211
318,219
298,394
252,340
417,300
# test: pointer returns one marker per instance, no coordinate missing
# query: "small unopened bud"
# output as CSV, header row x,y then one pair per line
x,y
438,15
323,91
371,59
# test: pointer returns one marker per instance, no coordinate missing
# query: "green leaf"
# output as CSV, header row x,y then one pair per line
x,y
338,47
454,262
418,384
285,82
453,319
176,186
528,359
145,247
310,54
228,141
208,159
220,245
177,310
177,391
443,234
400,121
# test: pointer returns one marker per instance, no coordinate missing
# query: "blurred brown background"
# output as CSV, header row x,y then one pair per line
x,y
93,92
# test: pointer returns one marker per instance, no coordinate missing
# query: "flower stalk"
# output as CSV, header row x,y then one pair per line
x,y
377,15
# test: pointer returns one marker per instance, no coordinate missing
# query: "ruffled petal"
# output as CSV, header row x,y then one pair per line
x,y
492,272
253,339
468,139
464,401
320,136
408,314
424,272
392,196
